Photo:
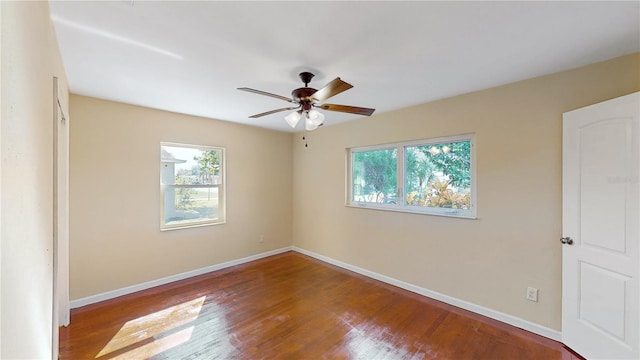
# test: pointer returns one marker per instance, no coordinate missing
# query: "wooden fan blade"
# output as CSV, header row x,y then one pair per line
x,y
259,92
272,112
335,87
347,109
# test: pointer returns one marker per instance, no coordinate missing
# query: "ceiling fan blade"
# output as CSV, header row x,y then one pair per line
x,y
259,92
347,109
335,87
272,112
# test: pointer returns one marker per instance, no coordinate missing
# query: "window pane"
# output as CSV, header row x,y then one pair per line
x,y
374,176
438,175
185,205
190,166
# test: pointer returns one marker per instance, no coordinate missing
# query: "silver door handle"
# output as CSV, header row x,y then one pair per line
x,y
566,240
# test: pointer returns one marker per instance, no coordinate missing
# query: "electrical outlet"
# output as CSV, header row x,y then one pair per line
x,y
532,294
261,239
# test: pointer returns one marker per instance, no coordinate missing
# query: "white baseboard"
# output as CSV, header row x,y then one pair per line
x,y
169,279
493,314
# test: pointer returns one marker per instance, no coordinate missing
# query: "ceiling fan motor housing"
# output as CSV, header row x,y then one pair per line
x,y
303,96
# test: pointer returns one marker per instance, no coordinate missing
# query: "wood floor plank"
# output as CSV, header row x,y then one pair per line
x,y
291,306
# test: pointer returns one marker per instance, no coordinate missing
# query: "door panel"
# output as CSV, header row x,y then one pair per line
x,y
603,159
600,317
602,300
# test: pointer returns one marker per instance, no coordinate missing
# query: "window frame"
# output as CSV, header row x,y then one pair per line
x,y
221,189
401,196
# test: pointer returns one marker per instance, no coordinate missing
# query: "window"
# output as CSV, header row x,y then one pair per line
x,y
191,186
433,176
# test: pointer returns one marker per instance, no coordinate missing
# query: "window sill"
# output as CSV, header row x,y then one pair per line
x,y
192,225
394,209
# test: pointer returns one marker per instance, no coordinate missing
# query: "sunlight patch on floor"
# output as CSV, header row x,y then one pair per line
x,y
148,326
157,346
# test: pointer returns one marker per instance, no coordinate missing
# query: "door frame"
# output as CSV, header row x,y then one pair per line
x,y
0,177
61,307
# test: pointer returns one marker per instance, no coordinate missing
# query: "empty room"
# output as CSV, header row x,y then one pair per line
x,y
319,180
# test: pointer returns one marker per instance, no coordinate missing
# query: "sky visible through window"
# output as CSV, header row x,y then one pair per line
x,y
183,153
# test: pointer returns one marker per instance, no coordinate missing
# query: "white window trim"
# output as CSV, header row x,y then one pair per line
x,y
470,213
222,213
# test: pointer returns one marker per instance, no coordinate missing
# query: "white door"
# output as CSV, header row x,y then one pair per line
x,y
600,273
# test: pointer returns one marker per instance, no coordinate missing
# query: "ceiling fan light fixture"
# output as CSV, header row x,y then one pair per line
x,y
292,119
309,126
315,117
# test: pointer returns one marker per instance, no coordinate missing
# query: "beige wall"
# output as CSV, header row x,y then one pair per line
x,y
115,195
513,243
30,59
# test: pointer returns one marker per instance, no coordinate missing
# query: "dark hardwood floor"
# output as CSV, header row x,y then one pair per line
x,y
290,306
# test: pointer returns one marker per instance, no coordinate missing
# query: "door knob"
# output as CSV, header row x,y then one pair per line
x,y
566,240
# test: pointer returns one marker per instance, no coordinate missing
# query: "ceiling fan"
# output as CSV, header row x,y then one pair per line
x,y
308,99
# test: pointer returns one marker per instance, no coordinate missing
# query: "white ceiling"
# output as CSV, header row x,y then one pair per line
x,y
189,57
